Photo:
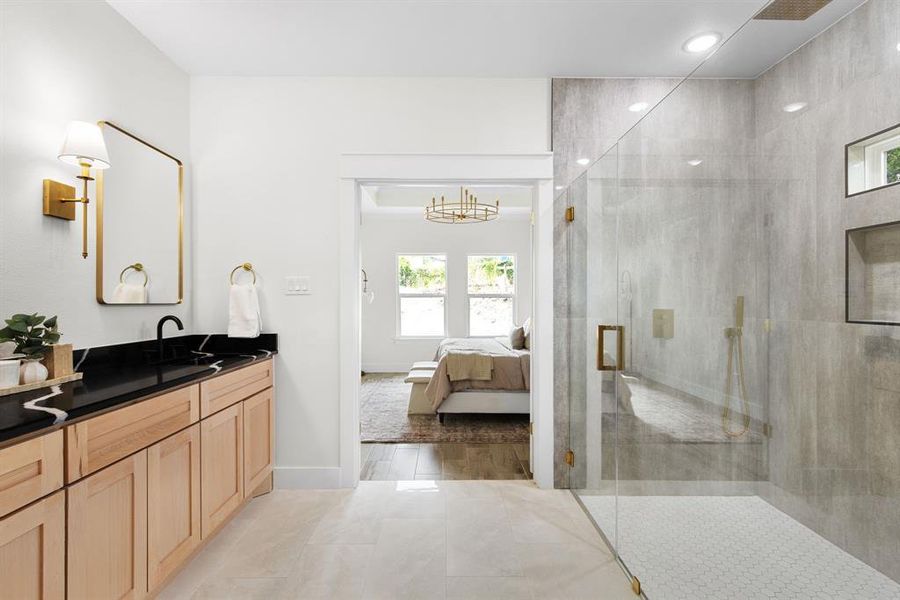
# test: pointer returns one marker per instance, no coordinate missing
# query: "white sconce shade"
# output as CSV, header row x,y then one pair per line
x,y
84,143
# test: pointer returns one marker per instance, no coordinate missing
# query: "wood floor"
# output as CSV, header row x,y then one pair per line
x,y
393,462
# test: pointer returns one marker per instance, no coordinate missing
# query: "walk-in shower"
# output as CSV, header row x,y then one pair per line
x,y
765,462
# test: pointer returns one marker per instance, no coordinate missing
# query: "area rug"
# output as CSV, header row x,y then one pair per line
x,y
384,399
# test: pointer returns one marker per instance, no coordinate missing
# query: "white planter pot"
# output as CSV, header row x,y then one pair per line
x,y
32,371
9,373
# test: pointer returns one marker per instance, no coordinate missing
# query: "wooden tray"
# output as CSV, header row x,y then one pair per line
x,y
39,384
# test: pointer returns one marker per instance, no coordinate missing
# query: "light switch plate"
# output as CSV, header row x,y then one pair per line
x,y
297,285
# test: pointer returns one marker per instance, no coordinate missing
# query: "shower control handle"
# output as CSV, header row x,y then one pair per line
x,y
620,347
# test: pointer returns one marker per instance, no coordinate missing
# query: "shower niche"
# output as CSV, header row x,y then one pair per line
x,y
873,274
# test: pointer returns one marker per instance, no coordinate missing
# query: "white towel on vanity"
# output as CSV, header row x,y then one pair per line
x,y
244,320
130,293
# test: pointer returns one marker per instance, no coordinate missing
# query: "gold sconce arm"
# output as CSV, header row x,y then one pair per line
x,y
84,200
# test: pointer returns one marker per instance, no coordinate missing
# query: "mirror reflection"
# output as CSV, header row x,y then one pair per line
x,y
139,223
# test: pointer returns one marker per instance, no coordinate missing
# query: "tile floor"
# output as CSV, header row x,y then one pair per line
x,y
391,462
690,547
408,539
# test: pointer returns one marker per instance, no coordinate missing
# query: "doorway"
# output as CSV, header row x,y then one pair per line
x,y
360,172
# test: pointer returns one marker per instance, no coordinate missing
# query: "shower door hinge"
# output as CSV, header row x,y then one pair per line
x,y
531,428
570,458
636,585
767,430
570,214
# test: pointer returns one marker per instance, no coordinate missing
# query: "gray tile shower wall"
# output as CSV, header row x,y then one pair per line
x,y
834,455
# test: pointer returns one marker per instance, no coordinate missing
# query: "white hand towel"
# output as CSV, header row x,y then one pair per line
x,y
129,293
244,320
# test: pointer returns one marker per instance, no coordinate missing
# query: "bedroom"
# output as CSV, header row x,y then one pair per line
x,y
444,391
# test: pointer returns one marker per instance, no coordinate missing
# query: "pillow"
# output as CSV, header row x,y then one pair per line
x,y
527,328
517,338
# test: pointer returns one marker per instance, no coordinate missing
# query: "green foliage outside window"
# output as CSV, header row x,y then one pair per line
x,y
892,159
492,274
427,274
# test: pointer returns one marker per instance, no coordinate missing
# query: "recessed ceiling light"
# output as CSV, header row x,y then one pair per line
x,y
702,42
694,162
898,47
583,161
794,106
638,106
560,187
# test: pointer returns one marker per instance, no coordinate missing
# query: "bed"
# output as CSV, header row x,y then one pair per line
x,y
480,376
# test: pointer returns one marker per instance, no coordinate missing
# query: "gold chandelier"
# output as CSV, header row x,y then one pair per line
x,y
466,210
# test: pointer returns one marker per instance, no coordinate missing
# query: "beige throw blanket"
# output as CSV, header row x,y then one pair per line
x,y
511,368
467,365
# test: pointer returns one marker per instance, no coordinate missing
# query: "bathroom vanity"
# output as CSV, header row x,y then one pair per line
x,y
109,485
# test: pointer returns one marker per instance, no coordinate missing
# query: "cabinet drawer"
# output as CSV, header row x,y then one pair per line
x,y
30,470
101,441
225,390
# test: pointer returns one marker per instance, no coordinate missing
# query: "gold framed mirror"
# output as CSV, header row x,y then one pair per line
x,y
140,223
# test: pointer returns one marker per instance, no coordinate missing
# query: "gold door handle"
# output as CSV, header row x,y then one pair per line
x,y
620,347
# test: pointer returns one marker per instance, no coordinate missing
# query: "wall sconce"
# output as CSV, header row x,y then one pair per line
x,y
368,294
83,147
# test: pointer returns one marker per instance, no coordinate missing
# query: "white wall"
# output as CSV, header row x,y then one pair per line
x,y
383,237
63,61
265,153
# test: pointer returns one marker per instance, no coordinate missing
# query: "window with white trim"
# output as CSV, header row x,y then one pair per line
x,y
873,162
422,295
491,294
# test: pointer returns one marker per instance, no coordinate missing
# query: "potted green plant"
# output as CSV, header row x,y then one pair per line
x,y
33,335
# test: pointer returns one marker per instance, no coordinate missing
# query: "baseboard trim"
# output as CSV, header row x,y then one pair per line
x,y
307,478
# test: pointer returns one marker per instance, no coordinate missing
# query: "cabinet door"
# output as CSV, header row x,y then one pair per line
x,y
259,424
173,503
222,467
107,523
32,551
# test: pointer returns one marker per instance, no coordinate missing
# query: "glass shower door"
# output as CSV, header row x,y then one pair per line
x,y
597,340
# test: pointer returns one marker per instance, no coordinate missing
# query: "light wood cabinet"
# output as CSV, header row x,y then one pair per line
x,y
136,489
259,435
225,390
32,551
107,526
222,467
30,470
101,441
173,503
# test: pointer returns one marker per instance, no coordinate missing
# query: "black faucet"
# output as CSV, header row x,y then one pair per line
x,y
159,328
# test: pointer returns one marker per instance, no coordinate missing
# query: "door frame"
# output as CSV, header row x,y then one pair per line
x,y
535,169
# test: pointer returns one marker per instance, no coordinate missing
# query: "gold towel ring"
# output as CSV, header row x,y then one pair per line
x,y
246,267
137,267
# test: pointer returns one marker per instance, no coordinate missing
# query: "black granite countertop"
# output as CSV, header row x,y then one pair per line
x,y
114,376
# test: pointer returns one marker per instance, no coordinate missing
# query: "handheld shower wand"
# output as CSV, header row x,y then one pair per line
x,y
735,343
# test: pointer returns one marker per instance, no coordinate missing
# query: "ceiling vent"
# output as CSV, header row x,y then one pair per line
x,y
790,10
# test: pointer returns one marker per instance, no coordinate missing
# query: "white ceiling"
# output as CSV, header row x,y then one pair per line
x,y
410,199
462,38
